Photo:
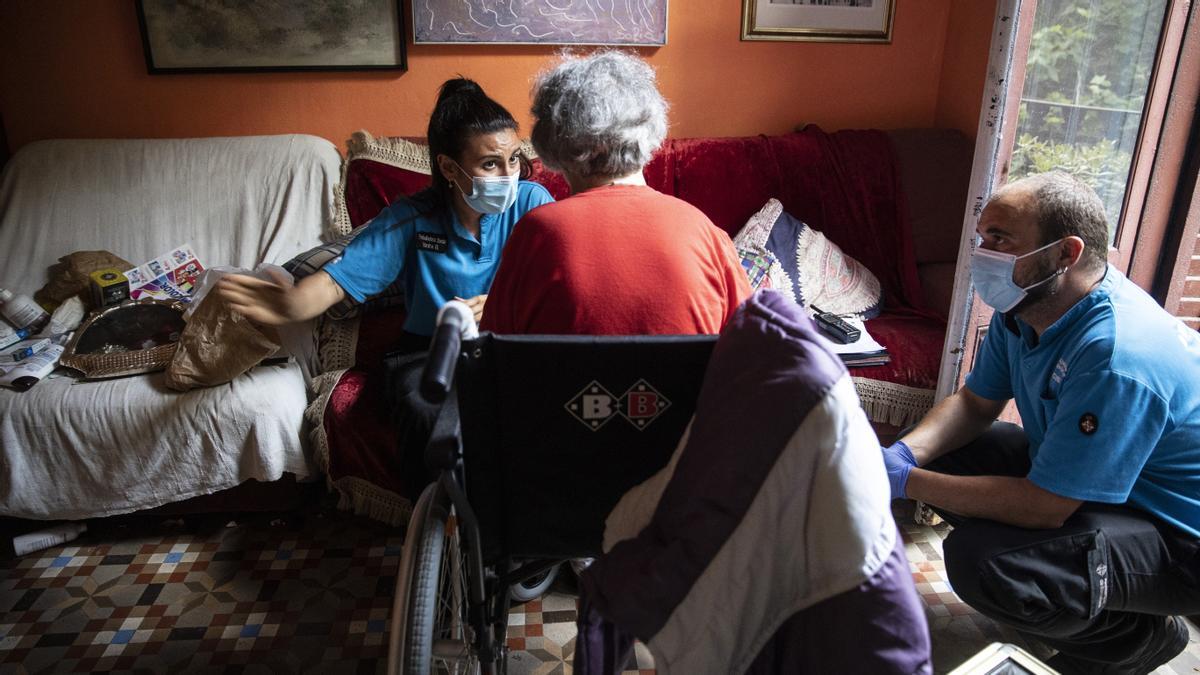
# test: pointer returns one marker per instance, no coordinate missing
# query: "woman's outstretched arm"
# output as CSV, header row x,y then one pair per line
x,y
277,302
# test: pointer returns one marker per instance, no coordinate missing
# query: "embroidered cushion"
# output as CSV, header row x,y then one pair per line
x,y
807,267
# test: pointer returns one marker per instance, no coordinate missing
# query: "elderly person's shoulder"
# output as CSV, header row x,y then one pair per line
x,y
531,195
641,201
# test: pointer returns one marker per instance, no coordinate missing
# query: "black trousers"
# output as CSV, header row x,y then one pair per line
x,y
1098,588
411,416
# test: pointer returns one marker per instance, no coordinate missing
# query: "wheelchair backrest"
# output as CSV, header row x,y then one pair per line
x,y
556,428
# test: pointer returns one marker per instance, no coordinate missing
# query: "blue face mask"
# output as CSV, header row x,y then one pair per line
x,y
490,194
992,273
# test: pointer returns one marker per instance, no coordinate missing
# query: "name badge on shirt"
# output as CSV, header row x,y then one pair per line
x,y
428,241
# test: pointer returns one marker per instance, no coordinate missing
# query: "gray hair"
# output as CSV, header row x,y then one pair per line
x,y
599,115
1067,206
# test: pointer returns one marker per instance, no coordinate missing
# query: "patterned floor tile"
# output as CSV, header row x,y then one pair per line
x,y
158,597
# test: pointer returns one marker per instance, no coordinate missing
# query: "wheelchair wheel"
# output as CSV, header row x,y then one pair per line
x,y
436,636
533,587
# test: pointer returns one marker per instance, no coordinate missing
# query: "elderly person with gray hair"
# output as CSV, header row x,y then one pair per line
x,y
616,257
1082,528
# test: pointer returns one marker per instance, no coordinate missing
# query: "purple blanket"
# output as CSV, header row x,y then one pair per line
x,y
767,544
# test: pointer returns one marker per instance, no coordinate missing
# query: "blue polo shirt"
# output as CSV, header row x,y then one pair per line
x,y
435,265
1110,399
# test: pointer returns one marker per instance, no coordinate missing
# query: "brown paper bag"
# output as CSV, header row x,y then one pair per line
x,y
217,345
69,276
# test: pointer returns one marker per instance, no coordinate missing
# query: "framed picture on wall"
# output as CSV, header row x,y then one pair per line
x,y
626,23
818,20
207,36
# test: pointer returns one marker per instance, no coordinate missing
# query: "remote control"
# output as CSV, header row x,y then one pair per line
x,y
837,328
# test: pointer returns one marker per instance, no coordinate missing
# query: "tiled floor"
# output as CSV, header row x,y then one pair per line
x,y
257,595
312,593
541,637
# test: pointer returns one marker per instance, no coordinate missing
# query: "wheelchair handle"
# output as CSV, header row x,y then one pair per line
x,y
455,321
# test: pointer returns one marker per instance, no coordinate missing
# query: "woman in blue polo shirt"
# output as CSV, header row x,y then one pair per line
x,y
443,242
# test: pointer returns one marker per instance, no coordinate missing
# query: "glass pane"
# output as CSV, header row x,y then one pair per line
x,y
1086,83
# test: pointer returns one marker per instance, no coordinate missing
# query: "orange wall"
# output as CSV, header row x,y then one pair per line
x,y
74,68
964,66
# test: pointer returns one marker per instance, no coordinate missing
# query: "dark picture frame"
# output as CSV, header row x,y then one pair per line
x,y
628,23
209,36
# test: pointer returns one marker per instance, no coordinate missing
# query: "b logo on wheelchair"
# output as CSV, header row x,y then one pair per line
x,y
639,405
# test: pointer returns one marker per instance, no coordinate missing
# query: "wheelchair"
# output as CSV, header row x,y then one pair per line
x,y
537,439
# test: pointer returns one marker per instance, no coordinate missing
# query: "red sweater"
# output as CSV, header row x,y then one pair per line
x,y
617,260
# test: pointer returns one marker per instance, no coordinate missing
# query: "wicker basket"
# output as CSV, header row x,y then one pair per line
x,y
131,323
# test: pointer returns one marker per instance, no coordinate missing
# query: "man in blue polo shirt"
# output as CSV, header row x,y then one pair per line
x,y
1083,528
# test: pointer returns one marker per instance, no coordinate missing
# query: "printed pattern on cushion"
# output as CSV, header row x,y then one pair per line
x,y
757,265
814,270
751,246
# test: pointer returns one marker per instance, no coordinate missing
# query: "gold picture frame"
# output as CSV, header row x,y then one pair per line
x,y
867,21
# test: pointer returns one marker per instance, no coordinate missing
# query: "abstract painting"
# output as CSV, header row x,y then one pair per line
x,y
551,22
271,35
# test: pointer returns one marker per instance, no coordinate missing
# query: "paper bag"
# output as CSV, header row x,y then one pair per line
x,y
218,344
70,275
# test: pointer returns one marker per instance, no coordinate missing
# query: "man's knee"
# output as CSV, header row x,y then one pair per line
x,y
1001,450
1046,582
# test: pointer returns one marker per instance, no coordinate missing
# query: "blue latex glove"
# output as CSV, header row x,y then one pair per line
x,y
898,460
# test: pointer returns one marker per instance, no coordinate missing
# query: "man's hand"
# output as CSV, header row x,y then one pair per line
x,y
899,461
476,305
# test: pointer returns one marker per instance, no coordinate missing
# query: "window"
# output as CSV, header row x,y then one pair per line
x,y
1087,80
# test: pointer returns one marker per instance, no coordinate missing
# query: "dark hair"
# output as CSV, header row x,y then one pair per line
x,y
462,112
1067,206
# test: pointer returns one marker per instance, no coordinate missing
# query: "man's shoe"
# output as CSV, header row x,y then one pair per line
x,y
1171,642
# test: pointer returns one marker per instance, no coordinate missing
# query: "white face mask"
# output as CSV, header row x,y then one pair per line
x,y
992,273
490,194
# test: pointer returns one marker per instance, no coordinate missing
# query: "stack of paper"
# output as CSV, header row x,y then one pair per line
x,y
864,351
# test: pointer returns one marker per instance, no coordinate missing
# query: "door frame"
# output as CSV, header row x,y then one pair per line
x,y
1012,31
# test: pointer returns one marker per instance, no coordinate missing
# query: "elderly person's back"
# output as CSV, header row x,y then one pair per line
x,y
617,257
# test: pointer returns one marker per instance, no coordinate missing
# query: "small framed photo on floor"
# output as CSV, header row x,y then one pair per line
x,y
211,36
818,20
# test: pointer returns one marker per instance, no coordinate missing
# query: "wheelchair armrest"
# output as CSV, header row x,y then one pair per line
x,y
444,448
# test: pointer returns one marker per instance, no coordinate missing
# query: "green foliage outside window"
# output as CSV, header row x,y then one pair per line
x,y
1086,80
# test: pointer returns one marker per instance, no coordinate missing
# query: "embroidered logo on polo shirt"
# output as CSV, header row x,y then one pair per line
x,y
1060,372
428,241
1088,424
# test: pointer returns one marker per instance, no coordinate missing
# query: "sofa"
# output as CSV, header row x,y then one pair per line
x,y
892,200
74,449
